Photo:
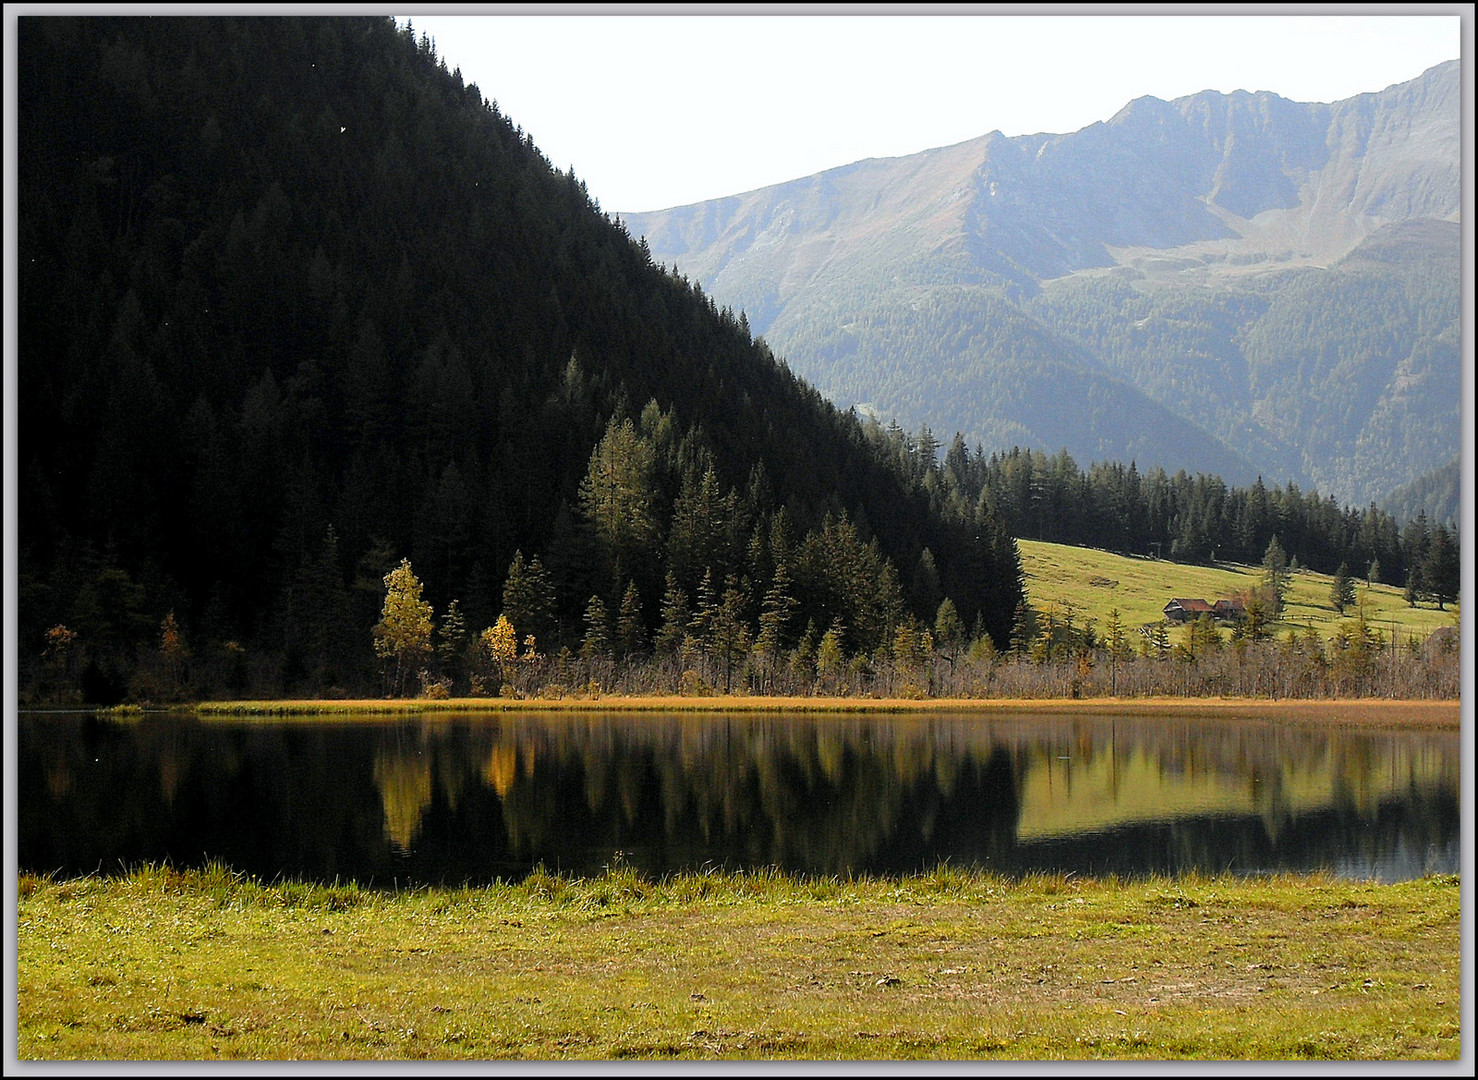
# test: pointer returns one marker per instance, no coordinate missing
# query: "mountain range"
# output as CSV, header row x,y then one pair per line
x,y
1231,283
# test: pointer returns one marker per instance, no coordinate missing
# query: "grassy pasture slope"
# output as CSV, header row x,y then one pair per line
x,y
1062,577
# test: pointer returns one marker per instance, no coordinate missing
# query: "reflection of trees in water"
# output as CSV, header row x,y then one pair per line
x,y
1272,770
405,792
267,799
454,799
770,798
744,792
1418,834
834,795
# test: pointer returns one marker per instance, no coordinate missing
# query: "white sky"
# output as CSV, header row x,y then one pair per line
x,y
659,110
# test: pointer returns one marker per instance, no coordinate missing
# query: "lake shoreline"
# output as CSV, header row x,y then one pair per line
x,y
1432,714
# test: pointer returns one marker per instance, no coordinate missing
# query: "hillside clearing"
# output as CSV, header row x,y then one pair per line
x,y
1088,584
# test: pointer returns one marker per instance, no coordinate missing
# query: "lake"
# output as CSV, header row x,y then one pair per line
x,y
453,799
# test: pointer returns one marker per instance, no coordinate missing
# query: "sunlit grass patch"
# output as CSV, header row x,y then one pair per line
x,y
946,963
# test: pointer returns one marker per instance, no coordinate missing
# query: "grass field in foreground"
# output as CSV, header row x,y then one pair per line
x,y
1094,582
161,965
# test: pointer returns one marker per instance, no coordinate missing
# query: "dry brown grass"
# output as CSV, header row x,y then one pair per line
x,y
1435,715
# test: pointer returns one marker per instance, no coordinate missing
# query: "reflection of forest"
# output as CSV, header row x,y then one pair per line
x,y
1122,771
675,792
843,793
472,798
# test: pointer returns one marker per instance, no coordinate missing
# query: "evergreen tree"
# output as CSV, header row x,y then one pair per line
x,y
1159,640
1276,576
529,597
926,594
703,522
949,630
675,616
1116,647
321,622
776,613
1022,628
1341,589
631,633
830,655
705,610
451,645
1257,615
596,644
728,636
1201,637
802,663
1441,568
618,497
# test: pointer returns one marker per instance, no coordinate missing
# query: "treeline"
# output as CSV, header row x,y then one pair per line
x,y
1195,519
296,303
747,639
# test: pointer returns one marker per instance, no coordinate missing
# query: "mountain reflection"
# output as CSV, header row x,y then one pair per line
x,y
470,799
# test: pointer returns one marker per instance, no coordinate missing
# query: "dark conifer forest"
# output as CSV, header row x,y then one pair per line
x,y
296,303
298,308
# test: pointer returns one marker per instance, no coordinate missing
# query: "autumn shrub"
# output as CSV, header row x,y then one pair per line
x,y
691,684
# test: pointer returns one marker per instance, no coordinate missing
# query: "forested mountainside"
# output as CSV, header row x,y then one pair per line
x,y
1233,283
1347,378
296,303
1435,495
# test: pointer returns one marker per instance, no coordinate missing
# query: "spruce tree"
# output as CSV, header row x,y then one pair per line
x,y
728,637
674,628
597,641
631,634
1276,575
451,644
617,498
775,614
1341,589
949,630
1441,568
831,655
529,598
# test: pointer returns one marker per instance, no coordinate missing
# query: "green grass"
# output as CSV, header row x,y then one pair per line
x,y
947,964
1092,583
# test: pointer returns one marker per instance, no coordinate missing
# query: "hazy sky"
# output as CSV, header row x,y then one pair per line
x,y
656,110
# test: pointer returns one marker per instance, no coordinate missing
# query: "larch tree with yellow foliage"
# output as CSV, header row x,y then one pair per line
x,y
403,634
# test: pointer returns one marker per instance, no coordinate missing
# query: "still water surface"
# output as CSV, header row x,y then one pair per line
x,y
470,799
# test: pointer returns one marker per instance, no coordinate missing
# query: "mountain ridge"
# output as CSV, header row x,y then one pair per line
x,y
1223,193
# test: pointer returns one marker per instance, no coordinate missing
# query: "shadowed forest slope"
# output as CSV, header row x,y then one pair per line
x,y
297,303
